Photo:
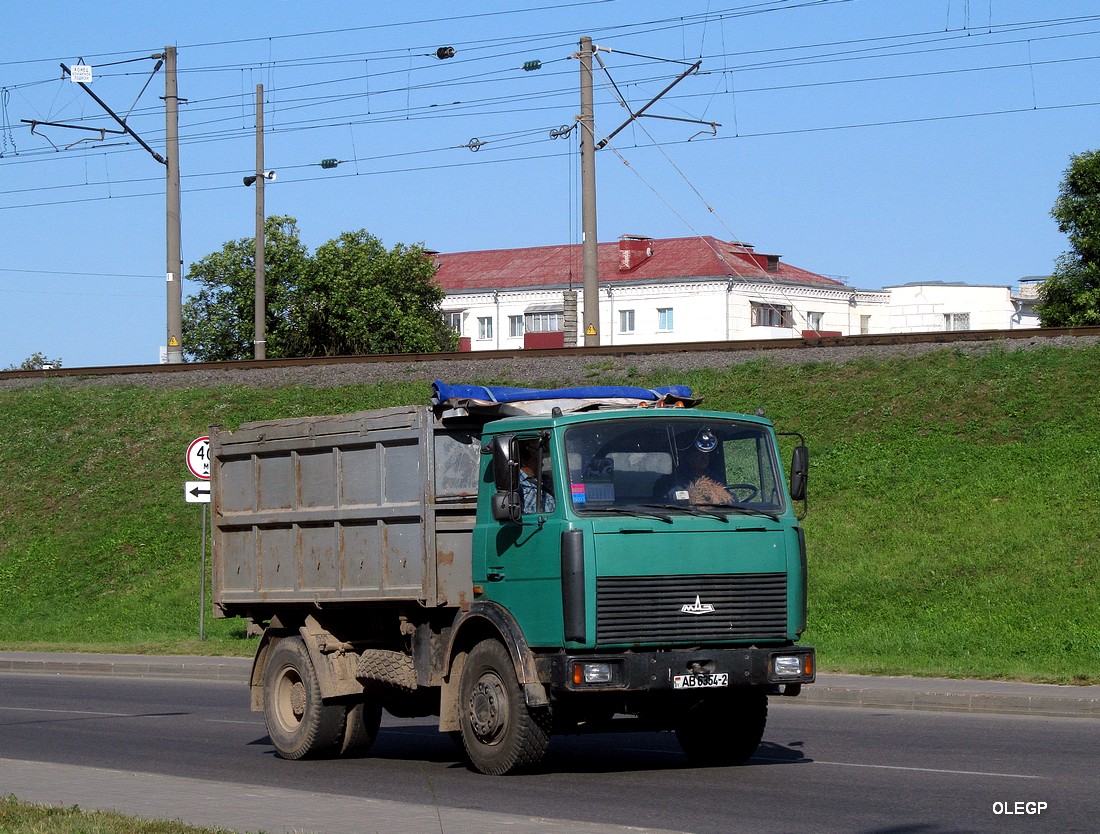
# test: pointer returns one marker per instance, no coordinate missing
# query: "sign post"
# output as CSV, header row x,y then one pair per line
x,y
198,492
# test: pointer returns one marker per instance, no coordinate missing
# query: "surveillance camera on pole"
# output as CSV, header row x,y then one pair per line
x,y
251,179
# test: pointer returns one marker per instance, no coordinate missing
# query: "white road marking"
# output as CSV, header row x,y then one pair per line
x,y
71,712
899,767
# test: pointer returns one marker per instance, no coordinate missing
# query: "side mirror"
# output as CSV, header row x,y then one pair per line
x,y
505,468
800,470
507,503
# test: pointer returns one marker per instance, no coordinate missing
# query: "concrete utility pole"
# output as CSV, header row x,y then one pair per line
x,y
261,279
590,242
173,254
589,146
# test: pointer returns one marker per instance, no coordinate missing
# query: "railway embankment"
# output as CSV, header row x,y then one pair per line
x,y
950,527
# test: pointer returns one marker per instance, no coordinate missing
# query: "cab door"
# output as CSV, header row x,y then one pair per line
x,y
523,560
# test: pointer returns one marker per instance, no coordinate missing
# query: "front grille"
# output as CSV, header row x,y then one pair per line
x,y
650,609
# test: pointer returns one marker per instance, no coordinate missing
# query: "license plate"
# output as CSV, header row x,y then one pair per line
x,y
700,681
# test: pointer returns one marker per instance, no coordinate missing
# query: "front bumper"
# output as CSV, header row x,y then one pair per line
x,y
638,671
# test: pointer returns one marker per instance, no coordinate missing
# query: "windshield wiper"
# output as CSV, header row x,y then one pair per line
x,y
636,514
741,510
691,509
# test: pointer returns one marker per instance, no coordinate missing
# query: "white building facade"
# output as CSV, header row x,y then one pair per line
x,y
696,290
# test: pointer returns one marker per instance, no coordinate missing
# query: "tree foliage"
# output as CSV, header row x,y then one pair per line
x,y
360,298
37,361
353,296
219,320
1071,296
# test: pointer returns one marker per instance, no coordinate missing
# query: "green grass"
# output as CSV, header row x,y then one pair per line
x,y
24,818
951,528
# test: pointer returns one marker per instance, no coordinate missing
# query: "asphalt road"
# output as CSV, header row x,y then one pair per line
x,y
192,750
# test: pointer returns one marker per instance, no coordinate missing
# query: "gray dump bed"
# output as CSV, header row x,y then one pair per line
x,y
371,506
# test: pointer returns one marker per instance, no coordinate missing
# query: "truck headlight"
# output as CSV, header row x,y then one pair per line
x,y
591,673
789,666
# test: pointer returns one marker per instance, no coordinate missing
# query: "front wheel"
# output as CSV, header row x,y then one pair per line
x,y
724,729
299,723
500,734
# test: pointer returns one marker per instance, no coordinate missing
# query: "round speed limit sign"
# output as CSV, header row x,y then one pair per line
x,y
198,457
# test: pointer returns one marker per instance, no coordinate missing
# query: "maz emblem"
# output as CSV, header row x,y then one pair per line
x,y
697,607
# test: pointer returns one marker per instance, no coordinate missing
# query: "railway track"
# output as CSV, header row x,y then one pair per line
x,y
739,346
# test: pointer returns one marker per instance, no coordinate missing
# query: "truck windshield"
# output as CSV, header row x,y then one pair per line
x,y
679,463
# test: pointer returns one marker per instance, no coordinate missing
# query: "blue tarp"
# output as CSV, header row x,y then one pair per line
x,y
444,393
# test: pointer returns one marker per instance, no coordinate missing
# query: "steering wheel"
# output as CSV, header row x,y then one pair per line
x,y
752,488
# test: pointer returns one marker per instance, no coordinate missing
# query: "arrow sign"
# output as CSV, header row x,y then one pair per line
x,y
197,492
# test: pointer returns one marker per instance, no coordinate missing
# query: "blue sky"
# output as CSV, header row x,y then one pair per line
x,y
878,141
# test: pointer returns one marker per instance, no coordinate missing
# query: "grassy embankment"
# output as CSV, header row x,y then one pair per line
x,y
25,818
952,515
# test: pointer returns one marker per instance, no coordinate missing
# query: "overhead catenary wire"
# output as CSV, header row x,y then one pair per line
x,y
535,157
379,116
479,106
743,68
734,238
633,28
619,29
851,54
198,106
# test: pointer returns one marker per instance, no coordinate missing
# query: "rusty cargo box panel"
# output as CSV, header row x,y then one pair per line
x,y
376,505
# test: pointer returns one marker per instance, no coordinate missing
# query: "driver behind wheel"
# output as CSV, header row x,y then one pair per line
x,y
693,480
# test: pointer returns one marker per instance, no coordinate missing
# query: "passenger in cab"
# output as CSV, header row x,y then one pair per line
x,y
529,481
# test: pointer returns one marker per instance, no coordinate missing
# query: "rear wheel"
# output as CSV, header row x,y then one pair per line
x,y
499,732
361,727
724,729
299,723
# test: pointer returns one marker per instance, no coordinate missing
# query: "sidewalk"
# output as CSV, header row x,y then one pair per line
x,y
251,808
938,694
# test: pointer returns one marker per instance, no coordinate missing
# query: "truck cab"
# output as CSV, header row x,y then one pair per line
x,y
659,569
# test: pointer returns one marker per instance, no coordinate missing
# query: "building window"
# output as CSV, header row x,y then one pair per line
x,y
814,320
515,326
626,321
484,327
771,315
454,321
664,319
864,325
545,322
956,321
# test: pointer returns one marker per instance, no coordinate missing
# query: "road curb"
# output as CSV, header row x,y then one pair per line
x,y
128,666
868,692
946,695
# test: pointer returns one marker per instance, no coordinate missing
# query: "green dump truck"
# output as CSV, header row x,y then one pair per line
x,y
519,563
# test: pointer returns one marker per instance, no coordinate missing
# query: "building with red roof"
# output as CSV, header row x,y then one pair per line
x,y
689,289
633,260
